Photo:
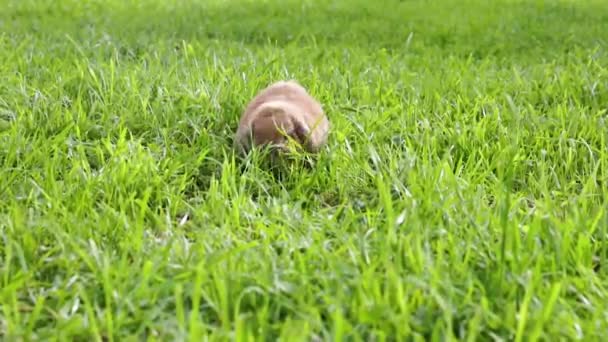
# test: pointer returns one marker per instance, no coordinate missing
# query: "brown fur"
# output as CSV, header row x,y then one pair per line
x,y
283,109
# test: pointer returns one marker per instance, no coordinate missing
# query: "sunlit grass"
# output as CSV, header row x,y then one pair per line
x,y
462,193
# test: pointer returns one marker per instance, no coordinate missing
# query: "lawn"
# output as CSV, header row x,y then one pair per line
x,y
462,195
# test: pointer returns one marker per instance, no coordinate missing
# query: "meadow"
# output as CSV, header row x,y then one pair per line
x,y
462,194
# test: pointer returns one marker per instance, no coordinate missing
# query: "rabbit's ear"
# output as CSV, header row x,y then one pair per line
x,y
301,130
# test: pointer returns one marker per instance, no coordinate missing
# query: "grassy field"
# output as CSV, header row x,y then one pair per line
x,y
462,194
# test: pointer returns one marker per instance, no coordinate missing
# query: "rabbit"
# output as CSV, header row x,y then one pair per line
x,y
282,111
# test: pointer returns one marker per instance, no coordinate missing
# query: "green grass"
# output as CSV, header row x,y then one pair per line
x,y
463,193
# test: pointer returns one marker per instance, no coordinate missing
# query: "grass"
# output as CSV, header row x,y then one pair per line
x,y
462,194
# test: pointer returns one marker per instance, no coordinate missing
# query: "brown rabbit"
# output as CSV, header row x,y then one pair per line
x,y
282,111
